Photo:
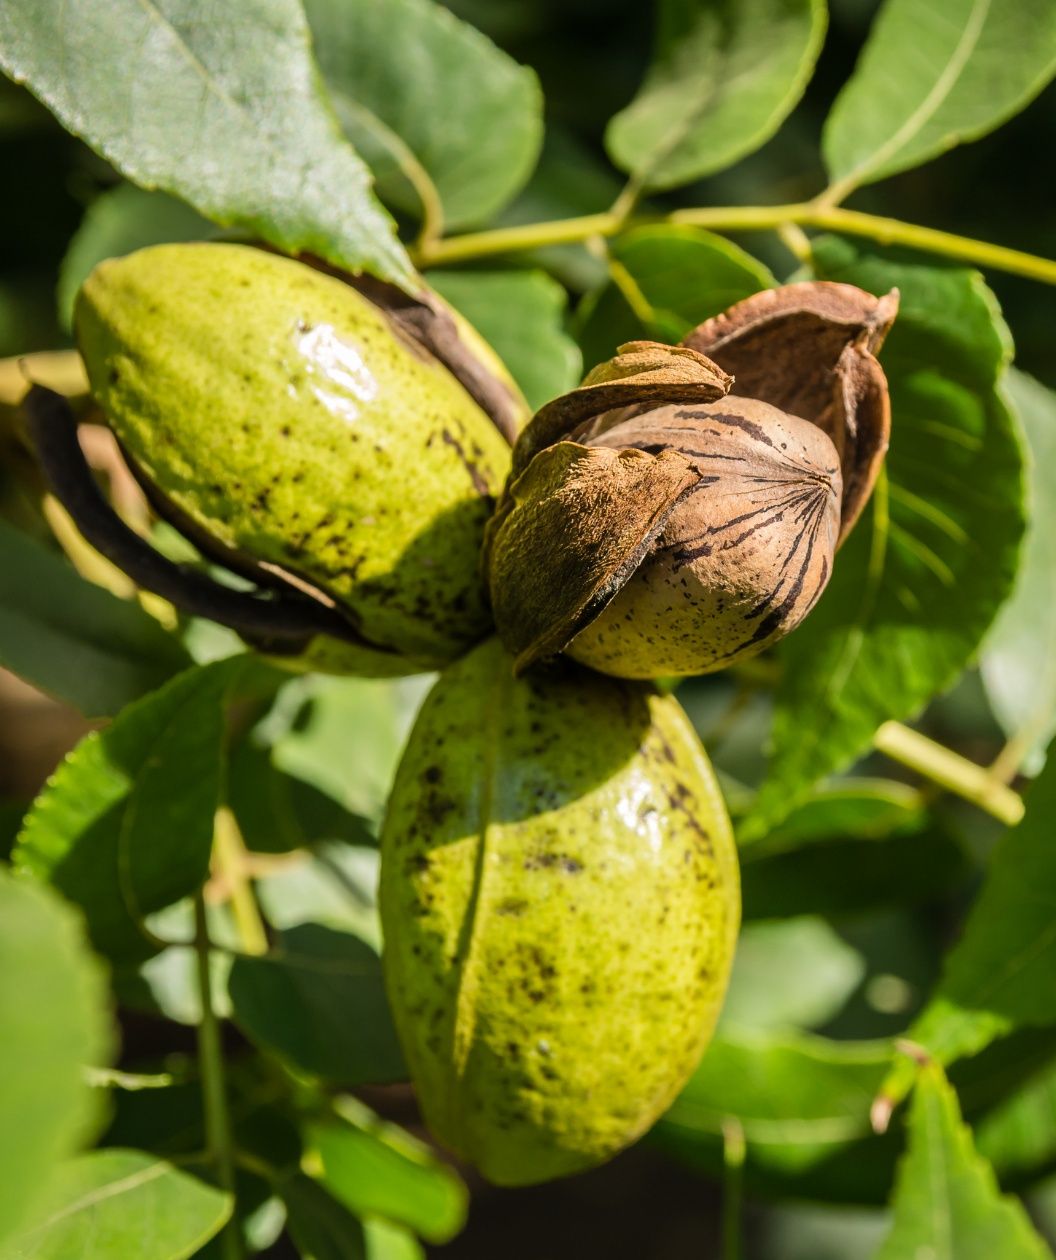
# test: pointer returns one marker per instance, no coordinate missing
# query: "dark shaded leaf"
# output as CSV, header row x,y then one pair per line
x,y
318,1000
71,638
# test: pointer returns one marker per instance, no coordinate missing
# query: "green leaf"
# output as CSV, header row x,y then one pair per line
x,y
124,219
227,112
1019,658
376,1169
922,576
723,79
324,1229
54,1024
686,274
1019,1135
798,1098
321,1228
933,74
880,854
125,826
71,638
1001,974
670,280
947,1205
438,112
344,735
793,973
521,315
334,885
318,1000
278,812
854,807
116,1204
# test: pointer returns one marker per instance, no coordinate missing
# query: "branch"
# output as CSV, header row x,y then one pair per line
x,y
805,214
950,771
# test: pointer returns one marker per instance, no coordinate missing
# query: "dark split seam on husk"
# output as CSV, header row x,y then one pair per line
x,y
283,622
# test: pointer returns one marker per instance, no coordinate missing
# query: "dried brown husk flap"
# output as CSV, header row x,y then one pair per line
x,y
570,531
810,349
643,374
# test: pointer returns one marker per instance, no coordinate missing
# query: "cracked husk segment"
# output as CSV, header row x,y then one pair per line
x,y
560,903
275,408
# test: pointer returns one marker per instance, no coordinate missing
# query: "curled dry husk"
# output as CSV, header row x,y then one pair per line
x,y
334,440
681,509
560,902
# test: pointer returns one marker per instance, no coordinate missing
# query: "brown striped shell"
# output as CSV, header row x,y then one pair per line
x,y
744,554
668,518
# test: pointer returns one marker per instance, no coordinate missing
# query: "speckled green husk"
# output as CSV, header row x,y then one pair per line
x,y
560,903
278,414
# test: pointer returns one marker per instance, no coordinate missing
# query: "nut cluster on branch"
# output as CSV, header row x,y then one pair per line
x,y
559,887
680,510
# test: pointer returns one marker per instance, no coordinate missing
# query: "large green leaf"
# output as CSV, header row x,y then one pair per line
x,y
376,1169
1002,973
798,1098
319,1001
125,825
521,315
922,576
947,1205
217,103
117,222
116,1204
723,79
933,74
53,1021
71,638
438,112
1019,659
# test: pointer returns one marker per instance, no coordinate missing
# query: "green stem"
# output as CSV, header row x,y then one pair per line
x,y
214,1094
804,214
931,240
229,859
949,770
733,1153
511,239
